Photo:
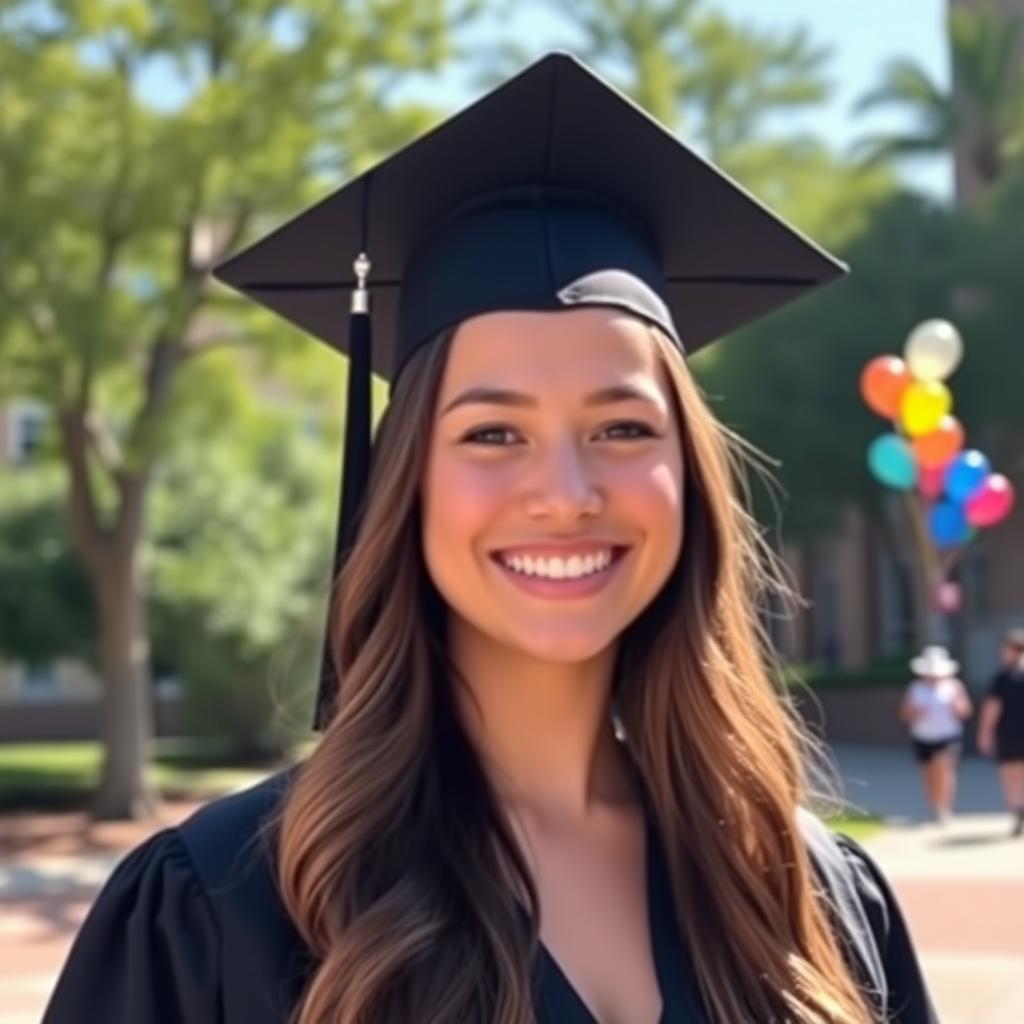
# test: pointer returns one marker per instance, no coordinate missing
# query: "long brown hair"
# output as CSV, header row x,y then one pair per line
x,y
394,859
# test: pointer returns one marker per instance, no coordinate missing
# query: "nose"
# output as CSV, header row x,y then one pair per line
x,y
564,489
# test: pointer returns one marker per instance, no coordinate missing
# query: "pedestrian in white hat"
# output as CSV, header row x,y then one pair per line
x,y
935,706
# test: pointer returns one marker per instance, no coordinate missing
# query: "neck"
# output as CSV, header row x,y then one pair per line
x,y
542,729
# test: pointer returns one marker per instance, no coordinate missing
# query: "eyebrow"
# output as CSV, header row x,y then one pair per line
x,y
502,396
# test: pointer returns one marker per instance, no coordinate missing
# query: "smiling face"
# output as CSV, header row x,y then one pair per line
x,y
553,488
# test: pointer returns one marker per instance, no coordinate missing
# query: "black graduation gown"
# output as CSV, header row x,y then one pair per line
x,y
189,929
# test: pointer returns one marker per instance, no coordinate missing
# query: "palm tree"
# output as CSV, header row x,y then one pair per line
x,y
981,118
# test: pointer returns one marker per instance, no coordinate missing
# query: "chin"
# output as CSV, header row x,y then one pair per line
x,y
561,647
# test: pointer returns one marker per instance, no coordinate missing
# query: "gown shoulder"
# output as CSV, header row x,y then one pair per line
x,y
189,927
870,923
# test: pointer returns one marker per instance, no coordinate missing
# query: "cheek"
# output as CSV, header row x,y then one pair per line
x,y
653,495
459,502
667,492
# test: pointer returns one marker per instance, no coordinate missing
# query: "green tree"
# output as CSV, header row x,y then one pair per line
x,y
988,248
981,115
116,203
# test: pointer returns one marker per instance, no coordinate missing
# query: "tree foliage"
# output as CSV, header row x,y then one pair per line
x,y
46,608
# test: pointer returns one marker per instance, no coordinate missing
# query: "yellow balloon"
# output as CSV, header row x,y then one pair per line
x,y
924,404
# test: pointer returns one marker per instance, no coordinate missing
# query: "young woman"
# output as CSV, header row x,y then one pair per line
x,y
935,706
1001,725
557,783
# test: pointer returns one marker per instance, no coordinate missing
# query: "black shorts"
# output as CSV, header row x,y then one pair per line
x,y
1009,748
925,750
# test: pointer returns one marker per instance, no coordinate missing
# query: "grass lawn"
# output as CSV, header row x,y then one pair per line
x,y
64,774
857,827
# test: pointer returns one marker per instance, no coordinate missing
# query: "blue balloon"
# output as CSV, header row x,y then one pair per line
x,y
966,475
948,524
892,462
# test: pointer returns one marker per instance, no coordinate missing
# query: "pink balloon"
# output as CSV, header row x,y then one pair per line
x,y
931,481
947,597
992,503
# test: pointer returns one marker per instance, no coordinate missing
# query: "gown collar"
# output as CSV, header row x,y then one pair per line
x,y
560,1002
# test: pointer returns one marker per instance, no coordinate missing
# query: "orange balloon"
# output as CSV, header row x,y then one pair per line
x,y
883,382
938,447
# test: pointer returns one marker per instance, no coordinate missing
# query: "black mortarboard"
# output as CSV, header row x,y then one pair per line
x,y
553,190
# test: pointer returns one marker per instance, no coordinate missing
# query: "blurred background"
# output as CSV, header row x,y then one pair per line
x,y
169,455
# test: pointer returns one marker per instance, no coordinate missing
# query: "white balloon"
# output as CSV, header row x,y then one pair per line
x,y
933,350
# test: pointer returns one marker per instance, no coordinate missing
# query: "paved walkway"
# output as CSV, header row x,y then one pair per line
x,y
51,866
961,886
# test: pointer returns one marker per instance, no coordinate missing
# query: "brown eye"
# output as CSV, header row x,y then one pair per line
x,y
495,437
630,430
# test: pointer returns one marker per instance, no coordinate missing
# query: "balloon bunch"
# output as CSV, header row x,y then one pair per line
x,y
957,492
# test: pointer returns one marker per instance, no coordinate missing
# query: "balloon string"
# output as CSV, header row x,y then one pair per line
x,y
927,552
952,557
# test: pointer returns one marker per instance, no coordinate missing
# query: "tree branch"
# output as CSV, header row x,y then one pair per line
x,y
210,343
235,233
132,480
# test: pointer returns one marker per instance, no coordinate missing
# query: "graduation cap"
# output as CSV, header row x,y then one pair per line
x,y
552,191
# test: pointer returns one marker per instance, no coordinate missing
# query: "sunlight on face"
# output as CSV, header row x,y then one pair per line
x,y
552,494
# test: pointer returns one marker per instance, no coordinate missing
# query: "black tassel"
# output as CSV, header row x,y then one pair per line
x,y
355,468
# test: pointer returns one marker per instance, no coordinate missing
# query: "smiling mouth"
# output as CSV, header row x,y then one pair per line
x,y
577,566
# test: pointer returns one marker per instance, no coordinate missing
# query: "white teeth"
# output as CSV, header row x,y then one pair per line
x,y
555,568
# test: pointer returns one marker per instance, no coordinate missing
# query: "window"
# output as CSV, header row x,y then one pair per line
x,y
26,426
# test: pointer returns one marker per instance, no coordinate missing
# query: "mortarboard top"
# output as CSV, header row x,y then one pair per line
x,y
551,191
724,257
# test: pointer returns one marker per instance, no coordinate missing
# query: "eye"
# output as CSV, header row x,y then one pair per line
x,y
628,430
492,436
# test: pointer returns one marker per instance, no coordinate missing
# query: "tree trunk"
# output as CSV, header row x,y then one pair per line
x,y
123,792
110,555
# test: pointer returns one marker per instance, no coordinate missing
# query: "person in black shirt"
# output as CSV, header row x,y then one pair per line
x,y
1001,725
556,783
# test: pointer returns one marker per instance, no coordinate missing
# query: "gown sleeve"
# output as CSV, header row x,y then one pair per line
x,y
149,951
908,1000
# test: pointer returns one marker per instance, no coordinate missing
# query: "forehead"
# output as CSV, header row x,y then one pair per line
x,y
550,350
